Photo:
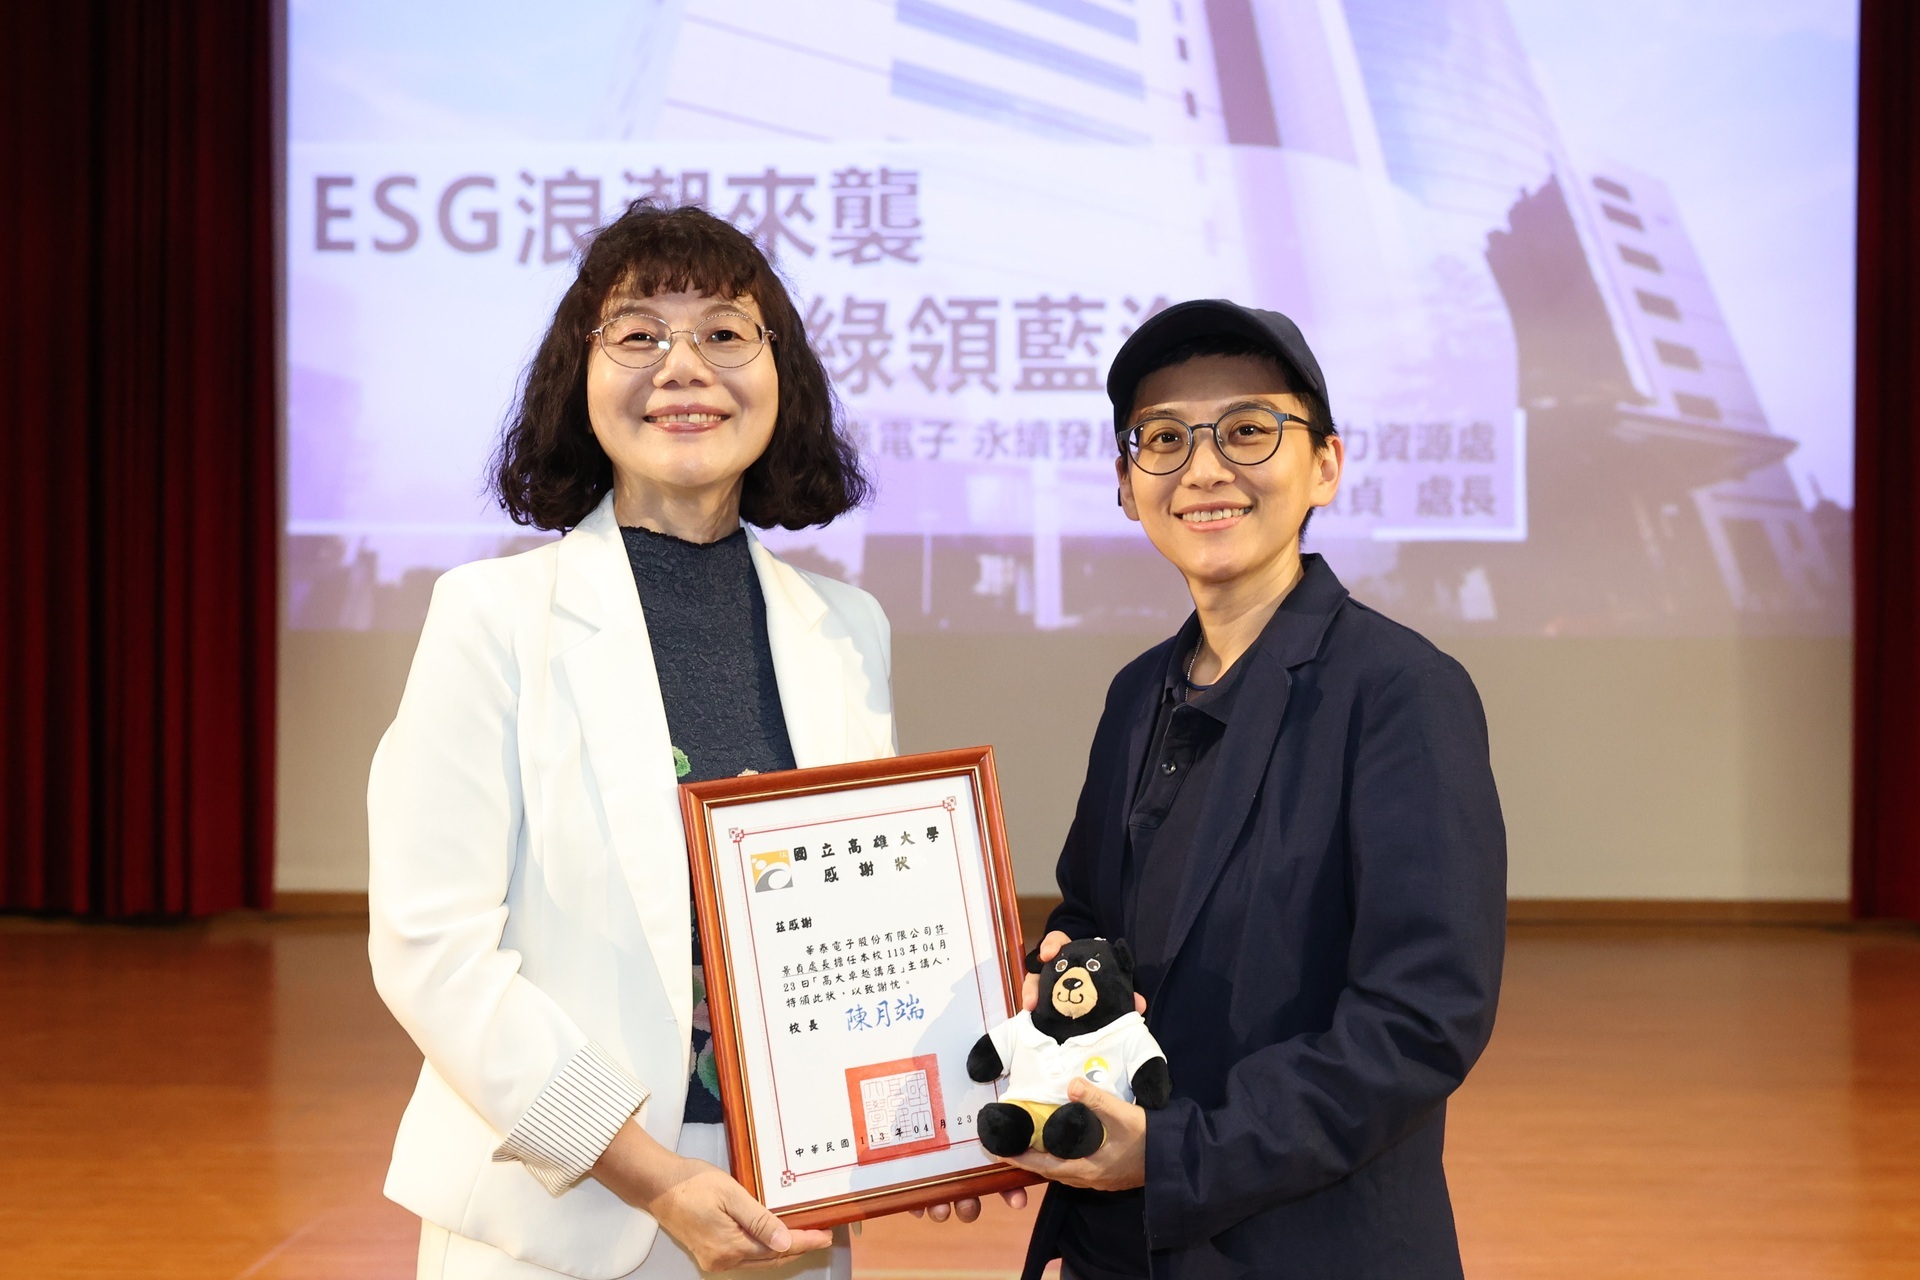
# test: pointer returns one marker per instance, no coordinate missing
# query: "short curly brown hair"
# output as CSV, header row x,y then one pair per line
x,y
550,472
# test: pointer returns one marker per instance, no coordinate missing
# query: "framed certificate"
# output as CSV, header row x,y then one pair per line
x,y
861,934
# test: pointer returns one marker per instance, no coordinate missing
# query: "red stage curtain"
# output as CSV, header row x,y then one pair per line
x,y
1886,832
138,588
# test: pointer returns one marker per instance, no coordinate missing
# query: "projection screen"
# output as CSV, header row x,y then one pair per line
x,y
1580,276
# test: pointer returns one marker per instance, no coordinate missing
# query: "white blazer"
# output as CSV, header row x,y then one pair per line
x,y
529,883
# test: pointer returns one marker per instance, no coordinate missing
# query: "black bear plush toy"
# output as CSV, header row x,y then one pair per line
x,y
1084,1025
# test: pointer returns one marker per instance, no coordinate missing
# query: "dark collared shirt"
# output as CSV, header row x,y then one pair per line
x,y
1169,796
1103,1235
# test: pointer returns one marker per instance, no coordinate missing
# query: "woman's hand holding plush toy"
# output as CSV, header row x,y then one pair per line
x,y
1120,1163
1081,1066
1039,1162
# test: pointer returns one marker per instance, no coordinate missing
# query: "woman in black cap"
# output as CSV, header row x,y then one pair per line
x,y
1289,811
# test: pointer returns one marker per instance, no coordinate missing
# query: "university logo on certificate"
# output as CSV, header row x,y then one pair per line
x,y
861,934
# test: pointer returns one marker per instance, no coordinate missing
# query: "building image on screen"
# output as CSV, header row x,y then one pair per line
x,y
1550,428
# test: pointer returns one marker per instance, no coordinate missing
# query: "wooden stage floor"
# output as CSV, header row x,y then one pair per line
x,y
1740,1101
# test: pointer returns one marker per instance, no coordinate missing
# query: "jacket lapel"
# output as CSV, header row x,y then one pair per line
x,y
600,640
807,664
1291,639
616,694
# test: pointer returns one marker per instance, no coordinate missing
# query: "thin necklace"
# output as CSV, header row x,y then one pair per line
x,y
1187,679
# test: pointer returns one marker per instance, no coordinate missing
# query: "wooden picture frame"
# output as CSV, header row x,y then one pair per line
x,y
864,1010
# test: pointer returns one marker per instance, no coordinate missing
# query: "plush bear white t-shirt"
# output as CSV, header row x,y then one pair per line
x,y
1043,1067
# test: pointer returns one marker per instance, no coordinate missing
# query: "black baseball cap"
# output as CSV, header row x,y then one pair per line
x,y
1206,318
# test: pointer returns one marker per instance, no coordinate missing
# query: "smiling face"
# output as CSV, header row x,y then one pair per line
x,y
681,431
1220,524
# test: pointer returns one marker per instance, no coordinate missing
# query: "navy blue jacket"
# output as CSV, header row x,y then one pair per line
x,y
1336,949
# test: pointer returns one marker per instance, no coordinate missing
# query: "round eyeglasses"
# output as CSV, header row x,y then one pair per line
x,y
725,339
1246,436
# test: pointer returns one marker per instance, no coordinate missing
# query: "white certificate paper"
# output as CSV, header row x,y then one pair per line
x,y
866,957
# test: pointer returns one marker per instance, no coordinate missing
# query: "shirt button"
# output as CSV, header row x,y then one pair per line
x,y
1168,767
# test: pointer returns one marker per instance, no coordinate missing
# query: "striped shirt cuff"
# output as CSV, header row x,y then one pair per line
x,y
573,1120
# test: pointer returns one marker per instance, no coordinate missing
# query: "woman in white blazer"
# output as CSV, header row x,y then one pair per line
x,y
531,924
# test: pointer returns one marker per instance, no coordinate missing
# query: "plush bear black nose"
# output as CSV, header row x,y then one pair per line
x,y
1071,984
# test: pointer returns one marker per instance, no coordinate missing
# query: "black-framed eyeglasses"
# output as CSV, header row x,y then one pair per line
x,y
1246,435
725,339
